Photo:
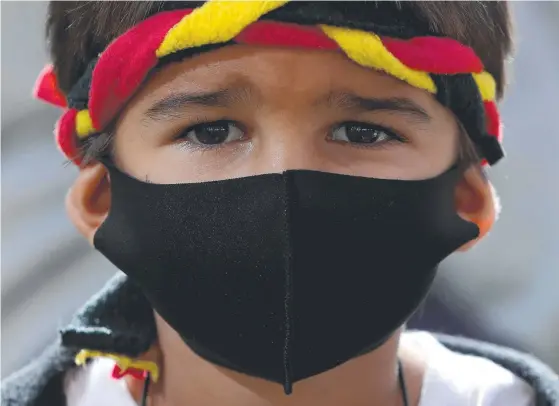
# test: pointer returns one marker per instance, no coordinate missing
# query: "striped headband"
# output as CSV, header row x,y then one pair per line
x,y
444,67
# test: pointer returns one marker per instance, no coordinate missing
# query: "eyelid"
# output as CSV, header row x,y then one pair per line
x,y
192,122
200,121
389,130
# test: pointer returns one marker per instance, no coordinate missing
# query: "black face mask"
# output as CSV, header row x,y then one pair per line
x,y
283,276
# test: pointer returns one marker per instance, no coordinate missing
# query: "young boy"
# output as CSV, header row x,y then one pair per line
x,y
277,182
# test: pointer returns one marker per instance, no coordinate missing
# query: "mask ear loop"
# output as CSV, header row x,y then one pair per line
x,y
106,160
146,390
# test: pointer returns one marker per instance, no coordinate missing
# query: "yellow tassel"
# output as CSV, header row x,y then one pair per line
x,y
214,22
487,86
368,50
84,124
122,362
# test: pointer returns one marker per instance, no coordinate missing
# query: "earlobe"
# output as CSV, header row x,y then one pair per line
x,y
88,201
475,203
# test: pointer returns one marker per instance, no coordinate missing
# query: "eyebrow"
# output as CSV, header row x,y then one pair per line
x,y
350,101
173,106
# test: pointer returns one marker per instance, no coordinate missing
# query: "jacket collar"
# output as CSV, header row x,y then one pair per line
x,y
119,320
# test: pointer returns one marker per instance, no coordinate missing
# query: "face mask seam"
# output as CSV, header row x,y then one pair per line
x,y
287,179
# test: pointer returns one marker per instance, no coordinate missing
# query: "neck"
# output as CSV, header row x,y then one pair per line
x,y
370,380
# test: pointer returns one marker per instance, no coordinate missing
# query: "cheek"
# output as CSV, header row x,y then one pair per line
x,y
441,148
147,160
425,156
131,154
434,147
437,150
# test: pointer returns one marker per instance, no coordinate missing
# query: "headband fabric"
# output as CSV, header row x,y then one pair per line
x,y
112,79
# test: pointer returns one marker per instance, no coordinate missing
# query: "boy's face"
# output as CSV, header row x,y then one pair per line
x,y
260,110
242,110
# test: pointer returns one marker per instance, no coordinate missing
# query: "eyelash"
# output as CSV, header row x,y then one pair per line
x,y
391,133
180,138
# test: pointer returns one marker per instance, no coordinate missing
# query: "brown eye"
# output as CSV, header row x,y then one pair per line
x,y
360,133
219,132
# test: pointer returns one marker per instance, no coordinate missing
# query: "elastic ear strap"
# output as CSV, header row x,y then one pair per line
x,y
145,391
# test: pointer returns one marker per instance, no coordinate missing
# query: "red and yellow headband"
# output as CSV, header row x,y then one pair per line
x,y
126,62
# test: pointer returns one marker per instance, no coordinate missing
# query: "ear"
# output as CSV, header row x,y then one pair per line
x,y
475,202
89,200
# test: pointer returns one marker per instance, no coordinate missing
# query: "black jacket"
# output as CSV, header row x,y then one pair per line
x,y
120,320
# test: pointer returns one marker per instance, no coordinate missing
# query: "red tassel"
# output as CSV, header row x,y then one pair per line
x,y
434,55
46,88
119,373
493,120
65,134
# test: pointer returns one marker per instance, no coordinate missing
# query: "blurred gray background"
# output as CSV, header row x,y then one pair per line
x,y
507,288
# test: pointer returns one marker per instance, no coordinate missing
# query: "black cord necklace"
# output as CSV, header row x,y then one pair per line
x,y
401,383
146,390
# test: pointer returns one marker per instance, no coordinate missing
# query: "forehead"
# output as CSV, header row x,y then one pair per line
x,y
272,70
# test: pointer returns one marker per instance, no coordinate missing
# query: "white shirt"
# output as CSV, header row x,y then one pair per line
x,y
450,379
466,380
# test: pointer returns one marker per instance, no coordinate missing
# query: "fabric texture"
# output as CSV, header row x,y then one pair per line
x,y
41,383
453,378
118,320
